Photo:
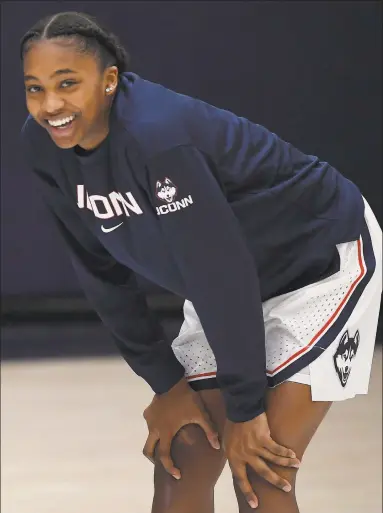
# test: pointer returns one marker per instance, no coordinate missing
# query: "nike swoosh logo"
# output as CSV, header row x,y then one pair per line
x,y
107,230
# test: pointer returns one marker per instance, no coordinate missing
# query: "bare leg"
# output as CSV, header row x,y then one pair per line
x,y
200,465
293,419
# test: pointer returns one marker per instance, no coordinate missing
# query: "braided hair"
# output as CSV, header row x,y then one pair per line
x,y
83,30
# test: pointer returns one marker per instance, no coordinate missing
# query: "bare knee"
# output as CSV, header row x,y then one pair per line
x,y
200,466
192,453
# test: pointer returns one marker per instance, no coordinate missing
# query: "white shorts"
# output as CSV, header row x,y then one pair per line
x,y
322,335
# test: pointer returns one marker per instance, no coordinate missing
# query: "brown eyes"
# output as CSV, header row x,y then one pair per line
x,y
65,84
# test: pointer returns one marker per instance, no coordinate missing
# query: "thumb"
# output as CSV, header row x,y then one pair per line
x,y
211,435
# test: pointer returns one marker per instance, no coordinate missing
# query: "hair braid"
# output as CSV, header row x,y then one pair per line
x,y
88,34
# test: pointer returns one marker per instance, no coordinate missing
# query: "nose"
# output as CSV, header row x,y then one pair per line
x,y
52,104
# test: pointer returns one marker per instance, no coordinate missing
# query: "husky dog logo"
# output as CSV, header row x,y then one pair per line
x,y
166,190
344,355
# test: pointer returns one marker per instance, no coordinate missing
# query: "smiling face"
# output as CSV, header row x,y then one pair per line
x,y
63,84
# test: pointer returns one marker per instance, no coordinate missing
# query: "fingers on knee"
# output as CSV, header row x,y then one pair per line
x,y
287,473
189,436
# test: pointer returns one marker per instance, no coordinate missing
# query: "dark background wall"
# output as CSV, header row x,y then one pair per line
x,y
309,71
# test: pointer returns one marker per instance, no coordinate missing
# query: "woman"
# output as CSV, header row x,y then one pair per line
x,y
276,254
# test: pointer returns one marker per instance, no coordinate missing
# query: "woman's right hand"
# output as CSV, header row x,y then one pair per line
x,y
167,414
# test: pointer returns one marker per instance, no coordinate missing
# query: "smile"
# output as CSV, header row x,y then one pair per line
x,y
61,122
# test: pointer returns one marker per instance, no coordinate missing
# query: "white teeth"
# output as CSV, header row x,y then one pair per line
x,y
60,122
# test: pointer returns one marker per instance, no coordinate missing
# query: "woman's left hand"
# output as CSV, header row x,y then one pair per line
x,y
250,443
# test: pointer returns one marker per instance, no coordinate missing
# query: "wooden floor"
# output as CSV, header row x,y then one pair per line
x,y
72,434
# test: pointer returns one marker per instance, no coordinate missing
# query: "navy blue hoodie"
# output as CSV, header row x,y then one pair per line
x,y
208,205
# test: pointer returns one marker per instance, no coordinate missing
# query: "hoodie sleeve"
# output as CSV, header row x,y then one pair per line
x,y
113,292
219,272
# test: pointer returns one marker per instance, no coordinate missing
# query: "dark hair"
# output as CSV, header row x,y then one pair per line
x,y
88,35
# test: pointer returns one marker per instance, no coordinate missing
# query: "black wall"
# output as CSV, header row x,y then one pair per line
x,y
309,71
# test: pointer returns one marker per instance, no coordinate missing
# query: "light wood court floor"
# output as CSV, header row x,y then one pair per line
x,y
72,433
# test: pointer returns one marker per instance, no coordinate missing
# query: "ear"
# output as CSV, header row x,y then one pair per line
x,y
111,77
167,180
356,339
158,184
344,339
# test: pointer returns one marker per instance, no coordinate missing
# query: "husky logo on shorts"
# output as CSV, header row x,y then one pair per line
x,y
166,190
344,355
